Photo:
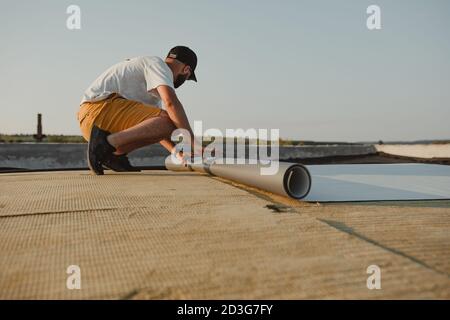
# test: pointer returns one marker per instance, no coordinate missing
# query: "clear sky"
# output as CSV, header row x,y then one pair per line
x,y
310,68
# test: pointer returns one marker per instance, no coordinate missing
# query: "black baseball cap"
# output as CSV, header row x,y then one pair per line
x,y
185,55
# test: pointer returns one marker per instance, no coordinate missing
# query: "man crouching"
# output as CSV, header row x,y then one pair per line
x,y
121,110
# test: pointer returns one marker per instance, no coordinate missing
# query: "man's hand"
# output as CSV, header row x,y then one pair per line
x,y
195,152
181,157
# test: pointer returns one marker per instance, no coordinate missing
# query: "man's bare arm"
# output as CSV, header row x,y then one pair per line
x,y
174,108
176,113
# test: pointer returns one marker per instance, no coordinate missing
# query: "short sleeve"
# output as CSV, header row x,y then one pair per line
x,y
158,73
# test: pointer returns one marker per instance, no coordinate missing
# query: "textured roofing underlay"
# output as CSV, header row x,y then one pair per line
x,y
166,235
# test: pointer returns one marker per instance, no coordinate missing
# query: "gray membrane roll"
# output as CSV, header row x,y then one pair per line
x,y
291,179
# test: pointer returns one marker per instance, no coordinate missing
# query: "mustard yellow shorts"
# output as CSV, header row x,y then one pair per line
x,y
114,114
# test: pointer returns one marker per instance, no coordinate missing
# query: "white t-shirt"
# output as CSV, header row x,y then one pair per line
x,y
134,79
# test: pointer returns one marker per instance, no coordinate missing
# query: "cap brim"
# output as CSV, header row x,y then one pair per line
x,y
193,77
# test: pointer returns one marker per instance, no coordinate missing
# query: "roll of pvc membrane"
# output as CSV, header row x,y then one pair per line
x,y
291,179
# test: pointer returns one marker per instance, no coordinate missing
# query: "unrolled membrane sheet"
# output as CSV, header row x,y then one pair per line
x,y
372,182
341,182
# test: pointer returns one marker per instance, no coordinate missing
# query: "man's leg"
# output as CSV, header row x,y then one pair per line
x,y
147,132
132,146
122,126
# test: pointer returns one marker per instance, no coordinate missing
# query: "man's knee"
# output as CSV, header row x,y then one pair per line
x,y
167,122
164,114
165,117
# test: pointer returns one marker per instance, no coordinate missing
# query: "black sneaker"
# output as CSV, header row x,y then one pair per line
x,y
119,164
98,150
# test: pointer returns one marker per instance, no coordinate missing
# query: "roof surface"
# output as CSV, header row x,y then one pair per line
x,y
159,234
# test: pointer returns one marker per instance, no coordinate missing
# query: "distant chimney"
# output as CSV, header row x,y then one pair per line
x,y
39,136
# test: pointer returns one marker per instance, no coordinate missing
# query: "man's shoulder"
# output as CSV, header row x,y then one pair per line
x,y
143,61
156,65
152,59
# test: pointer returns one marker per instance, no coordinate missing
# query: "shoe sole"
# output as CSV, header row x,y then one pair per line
x,y
121,170
91,162
91,167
